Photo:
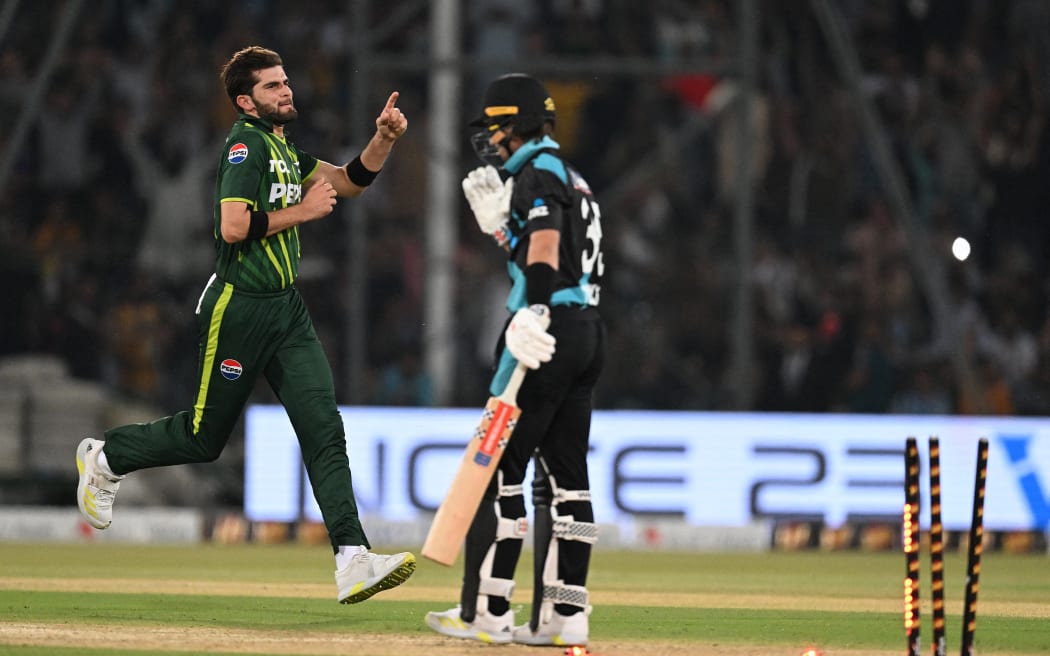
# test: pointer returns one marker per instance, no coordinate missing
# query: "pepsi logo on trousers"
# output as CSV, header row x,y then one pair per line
x,y
230,369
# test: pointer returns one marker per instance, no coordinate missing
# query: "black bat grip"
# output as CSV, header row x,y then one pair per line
x,y
541,532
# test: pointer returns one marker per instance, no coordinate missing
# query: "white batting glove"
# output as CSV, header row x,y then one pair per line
x,y
489,199
527,338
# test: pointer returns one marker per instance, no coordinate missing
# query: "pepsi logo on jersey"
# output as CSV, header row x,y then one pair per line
x,y
238,153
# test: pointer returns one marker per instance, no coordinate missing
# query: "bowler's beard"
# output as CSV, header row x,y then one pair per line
x,y
279,116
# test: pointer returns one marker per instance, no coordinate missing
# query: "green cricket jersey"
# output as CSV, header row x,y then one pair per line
x,y
266,172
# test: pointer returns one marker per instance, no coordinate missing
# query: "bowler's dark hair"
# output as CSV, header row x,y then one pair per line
x,y
238,74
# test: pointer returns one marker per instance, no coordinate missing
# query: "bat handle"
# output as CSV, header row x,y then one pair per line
x,y
541,501
510,392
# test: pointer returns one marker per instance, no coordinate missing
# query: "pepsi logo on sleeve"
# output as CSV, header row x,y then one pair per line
x,y
238,153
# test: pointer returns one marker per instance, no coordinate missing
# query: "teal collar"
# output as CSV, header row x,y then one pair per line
x,y
527,151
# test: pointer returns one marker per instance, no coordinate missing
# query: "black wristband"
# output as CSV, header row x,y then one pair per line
x,y
358,174
539,283
259,225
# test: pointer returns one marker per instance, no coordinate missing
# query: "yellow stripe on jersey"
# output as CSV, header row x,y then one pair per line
x,y
284,248
251,203
265,241
211,347
275,153
317,165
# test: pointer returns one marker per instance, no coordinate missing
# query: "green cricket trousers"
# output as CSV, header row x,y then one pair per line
x,y
242,335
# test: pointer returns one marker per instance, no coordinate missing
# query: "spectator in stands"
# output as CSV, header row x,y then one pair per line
x,y
969,131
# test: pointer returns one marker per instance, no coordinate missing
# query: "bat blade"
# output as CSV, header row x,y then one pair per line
x,y
480,459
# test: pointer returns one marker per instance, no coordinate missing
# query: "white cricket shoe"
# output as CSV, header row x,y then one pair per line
x,y
561,630
96,490
369,573
493,629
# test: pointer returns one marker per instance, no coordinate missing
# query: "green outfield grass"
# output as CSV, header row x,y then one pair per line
x,y
839,601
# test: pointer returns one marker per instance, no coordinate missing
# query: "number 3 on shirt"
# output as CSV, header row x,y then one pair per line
x,y
591,260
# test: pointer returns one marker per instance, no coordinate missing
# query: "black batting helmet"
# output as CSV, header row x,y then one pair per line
x,y
515,99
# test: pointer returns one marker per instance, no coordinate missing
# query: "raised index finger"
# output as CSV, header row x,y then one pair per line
x,y
391,101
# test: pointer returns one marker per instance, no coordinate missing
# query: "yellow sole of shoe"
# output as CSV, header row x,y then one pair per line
x,y
391,580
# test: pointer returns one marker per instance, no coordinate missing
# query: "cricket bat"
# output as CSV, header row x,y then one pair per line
x,y
482,455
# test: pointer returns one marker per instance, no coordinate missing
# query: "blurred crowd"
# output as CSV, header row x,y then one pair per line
x,y
106,228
